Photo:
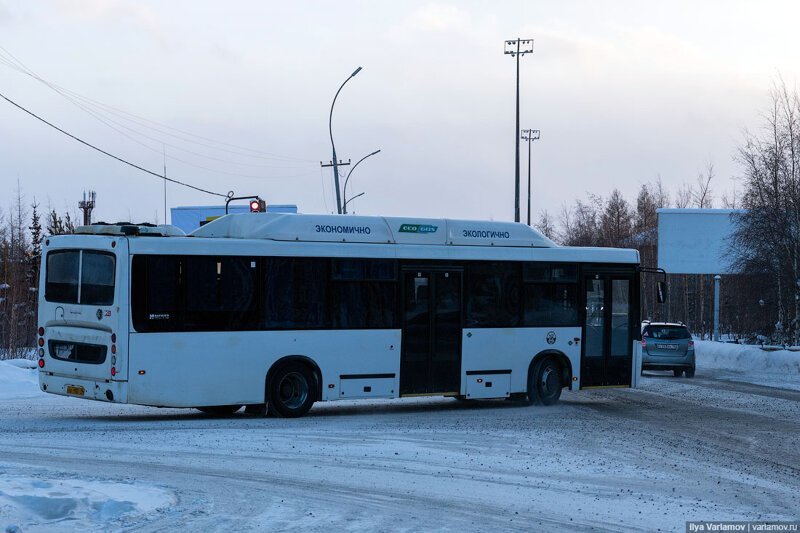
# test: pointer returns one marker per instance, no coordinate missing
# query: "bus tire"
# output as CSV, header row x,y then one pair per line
x,y
219,410
291,391
544,382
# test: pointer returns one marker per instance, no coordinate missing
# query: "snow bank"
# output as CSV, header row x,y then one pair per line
x,y
740,357
29,503
18,379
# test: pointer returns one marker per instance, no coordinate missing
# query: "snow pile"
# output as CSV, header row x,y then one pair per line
x,y
741,357
18,379
35,504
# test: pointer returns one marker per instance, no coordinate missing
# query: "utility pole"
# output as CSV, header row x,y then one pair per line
x,y
517,48
336,164
87,205
529,135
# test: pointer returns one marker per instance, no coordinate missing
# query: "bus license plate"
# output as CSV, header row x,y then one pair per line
x,y
76,390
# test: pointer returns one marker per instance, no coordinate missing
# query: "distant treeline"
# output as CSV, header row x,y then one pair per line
x,y
22,232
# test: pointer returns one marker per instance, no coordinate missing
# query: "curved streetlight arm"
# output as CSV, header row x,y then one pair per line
x,y
351,199
344,192
333,146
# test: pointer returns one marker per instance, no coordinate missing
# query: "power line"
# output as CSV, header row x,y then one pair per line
x,y
15,64
37,117
84,104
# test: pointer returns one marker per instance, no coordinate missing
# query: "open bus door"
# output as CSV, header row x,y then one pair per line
x,y
610,324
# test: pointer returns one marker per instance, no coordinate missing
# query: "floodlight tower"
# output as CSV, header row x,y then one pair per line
x,y
529,135
517,48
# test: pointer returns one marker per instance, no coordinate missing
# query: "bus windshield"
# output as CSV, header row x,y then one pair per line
x,y
80,277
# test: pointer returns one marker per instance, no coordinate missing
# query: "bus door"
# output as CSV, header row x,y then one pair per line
x,y
431,345
608,328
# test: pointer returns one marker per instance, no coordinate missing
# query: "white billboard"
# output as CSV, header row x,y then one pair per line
x,y
695,241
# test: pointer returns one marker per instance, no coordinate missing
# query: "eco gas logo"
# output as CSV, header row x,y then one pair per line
x,y
418,228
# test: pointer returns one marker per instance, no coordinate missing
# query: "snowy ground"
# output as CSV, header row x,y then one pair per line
x,y
722,446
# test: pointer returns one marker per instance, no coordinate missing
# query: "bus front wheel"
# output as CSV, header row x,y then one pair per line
x,y
291,391
544,382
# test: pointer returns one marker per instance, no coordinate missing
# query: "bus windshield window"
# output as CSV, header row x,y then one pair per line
x,y
62,276
96,272
97,278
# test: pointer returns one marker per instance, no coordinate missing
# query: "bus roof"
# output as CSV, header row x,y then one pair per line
x,y
372,229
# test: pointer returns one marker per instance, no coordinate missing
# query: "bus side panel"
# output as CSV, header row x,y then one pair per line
x,y
514,349
229,368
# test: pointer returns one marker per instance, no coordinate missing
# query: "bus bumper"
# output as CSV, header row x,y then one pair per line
x,y
89,389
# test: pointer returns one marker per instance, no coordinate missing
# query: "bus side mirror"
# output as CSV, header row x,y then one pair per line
x,y
661,291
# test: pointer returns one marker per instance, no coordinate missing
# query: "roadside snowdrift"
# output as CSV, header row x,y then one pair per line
x,y
18,379
740,357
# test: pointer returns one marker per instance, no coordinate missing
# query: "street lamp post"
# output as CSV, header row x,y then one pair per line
x,y
529,135
335,162
344,193
517,48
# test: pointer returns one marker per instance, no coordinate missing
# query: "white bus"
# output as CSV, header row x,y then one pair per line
x,y
278,311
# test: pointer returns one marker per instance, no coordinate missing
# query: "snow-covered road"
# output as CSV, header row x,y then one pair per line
x,y
710,448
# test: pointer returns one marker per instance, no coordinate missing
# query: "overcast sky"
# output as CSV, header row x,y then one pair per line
x,y
621,91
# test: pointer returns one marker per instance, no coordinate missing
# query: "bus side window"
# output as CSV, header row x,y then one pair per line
x,y
493,295
550,294
364,294
295,293
220,293
551,304
155,293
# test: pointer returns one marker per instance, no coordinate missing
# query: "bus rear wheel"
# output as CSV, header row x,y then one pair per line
x,y
291,391
544,383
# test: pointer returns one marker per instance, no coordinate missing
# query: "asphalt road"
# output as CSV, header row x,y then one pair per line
x,y
674,450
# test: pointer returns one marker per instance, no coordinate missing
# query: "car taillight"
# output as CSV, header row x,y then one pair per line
x,y
691,344
644,342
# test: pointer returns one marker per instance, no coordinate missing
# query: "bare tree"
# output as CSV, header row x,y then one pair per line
x,y
767,235
616,221
546,225
703,196
582,226
684,196
729,199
